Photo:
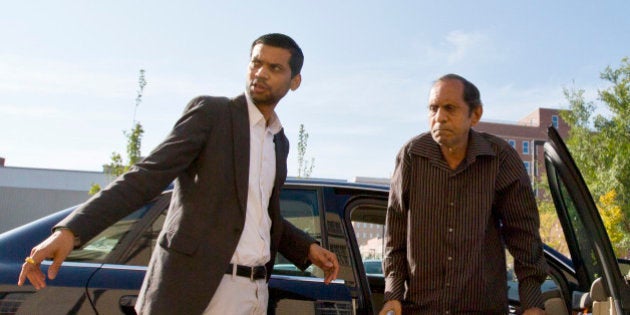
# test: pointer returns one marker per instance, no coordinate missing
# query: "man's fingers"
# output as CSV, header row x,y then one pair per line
x,y
33,274
326,260
22,277
53,270
333,267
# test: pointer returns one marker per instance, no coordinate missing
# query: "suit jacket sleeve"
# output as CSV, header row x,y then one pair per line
x,y
295,244
148,178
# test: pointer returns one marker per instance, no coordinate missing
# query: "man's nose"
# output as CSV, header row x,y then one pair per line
x,y
440,114
261,73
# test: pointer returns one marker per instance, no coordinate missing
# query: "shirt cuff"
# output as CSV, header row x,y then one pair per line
x,y
394,289
530,294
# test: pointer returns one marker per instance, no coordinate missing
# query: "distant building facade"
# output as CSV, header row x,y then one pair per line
x,y
528,136
27,194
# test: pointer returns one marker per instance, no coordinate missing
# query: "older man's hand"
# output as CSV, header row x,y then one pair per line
x,y
534,311
392,307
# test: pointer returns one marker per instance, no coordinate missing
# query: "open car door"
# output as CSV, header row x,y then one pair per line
x,y
597,268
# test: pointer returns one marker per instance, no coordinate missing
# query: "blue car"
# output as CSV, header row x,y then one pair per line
x,y
105,274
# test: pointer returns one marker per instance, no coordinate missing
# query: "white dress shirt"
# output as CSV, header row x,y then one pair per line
x,y
254,246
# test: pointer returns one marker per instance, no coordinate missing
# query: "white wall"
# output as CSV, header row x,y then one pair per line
x,y
27,194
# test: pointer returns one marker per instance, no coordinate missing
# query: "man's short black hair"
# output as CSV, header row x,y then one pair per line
x,y
471,96
283,41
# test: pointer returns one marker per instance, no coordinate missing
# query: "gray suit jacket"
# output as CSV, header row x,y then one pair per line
x,y
207,155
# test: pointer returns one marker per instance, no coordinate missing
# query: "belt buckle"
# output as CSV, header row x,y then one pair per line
x,y
253,272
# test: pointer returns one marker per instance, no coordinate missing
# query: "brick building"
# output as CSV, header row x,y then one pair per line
x,y
528,136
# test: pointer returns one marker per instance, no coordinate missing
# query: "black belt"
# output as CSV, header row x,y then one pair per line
x,y
253,273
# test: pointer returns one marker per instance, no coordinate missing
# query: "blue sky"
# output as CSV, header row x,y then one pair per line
x,y
69,69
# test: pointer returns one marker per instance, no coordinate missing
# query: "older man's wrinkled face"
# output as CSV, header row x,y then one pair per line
x,y
450,118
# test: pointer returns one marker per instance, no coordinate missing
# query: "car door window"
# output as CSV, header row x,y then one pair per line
x,y
139,253
301,208
99,248
367,218
592,253
368,223
584,244
370,238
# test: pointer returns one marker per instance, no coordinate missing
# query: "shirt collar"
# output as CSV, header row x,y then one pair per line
x,y
477,146
255,117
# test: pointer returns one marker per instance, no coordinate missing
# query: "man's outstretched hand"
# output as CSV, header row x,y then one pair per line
x,y
57,246
326,260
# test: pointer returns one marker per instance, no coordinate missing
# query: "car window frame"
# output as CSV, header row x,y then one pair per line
x,y
562,168
160,205
117,255
355,253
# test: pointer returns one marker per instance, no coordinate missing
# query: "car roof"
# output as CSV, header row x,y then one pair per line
x,y
339,183
327,182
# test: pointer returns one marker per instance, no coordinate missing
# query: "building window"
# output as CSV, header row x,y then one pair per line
x,y
528,167
512,143
554,121
525,147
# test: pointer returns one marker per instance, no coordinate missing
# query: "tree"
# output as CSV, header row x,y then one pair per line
x,y
117,166
600,145
550,227
305,168
614,222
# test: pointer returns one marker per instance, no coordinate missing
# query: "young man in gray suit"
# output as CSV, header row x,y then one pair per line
x,y
227,158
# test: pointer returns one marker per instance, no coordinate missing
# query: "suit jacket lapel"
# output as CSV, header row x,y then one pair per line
x,y
282,150
240,131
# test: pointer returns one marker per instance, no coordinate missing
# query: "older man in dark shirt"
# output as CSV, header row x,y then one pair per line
x,y
457,196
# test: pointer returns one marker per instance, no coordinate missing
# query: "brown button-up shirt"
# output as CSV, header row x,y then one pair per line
x,y
446,229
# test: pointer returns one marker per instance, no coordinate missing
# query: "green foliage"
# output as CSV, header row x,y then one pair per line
x,y
600,144
550,228
305,168
134,144
95,188
117,166
613,219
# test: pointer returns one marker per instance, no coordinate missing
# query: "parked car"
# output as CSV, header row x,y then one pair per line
x,y
373,266
104,275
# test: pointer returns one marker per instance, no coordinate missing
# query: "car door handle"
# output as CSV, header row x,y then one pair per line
x,y
127,304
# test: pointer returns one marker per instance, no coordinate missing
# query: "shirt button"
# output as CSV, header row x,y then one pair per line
x,y
449,258
451,203
450,230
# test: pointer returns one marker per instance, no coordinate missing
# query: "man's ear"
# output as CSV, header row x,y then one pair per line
x,y
296,81
476,115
